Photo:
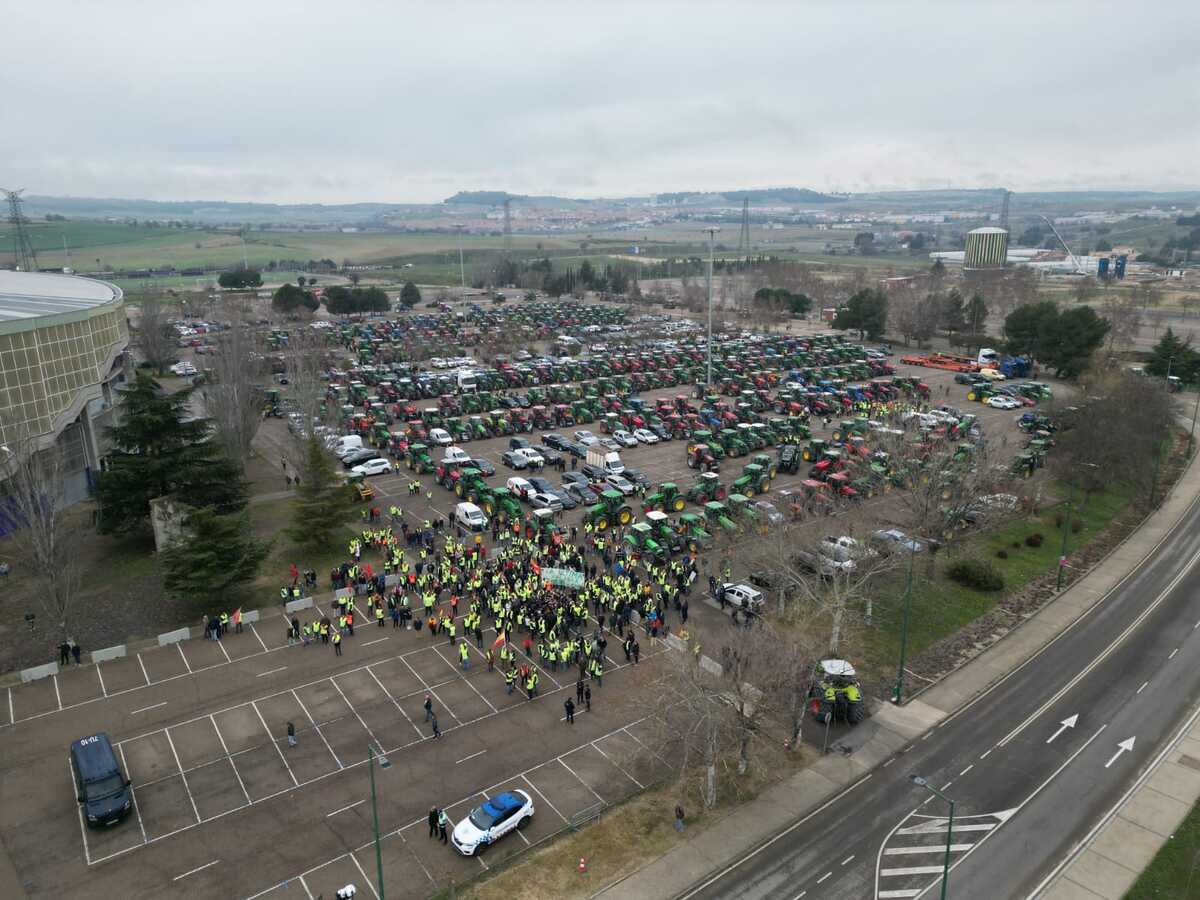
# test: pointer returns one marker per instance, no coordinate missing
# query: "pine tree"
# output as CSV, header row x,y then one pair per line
x,y
1170,354
216,554
320,500
157,450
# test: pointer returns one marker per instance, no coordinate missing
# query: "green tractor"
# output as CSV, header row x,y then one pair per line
x,y
744,511
732,442
768,464
541,522
459,432
478,428
498,502
609,511
753,480
847,428
815,449
418,459
718,516
665,533
753,440
703,436
641,540
695,535
707,487
666,497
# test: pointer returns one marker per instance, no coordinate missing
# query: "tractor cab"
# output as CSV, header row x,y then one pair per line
x,y
836,694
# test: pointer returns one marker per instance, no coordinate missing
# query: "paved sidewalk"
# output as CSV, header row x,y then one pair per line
x,y
889,728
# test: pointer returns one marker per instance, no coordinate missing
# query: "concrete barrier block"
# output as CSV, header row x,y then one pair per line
x,y
297,605
174,637
37,672
343,594
711,665
675,642
251,616
108,653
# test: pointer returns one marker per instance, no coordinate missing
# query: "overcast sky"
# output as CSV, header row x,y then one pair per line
x,y
317,101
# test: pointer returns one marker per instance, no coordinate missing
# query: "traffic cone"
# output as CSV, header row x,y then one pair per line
x,y
582,866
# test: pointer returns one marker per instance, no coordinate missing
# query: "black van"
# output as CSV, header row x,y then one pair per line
x,y
100,784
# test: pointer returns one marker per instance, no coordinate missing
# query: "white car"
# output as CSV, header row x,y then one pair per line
x,y
455,455
585,437
624,438
645,436
743,596
1002,403
532,457
544,500
440,436
619,483
373,467
183,368
519,486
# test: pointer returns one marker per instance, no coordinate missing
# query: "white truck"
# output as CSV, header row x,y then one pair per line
x,y
608,460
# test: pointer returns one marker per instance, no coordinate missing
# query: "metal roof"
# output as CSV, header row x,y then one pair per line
x,y
988,229
32,295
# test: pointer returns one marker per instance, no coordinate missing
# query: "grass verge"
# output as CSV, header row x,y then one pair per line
x,y
1174,872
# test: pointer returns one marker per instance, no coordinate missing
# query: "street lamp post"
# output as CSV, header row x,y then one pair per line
x,y
383,764
898,688
922,782
712,230
1062,555
1192,433
462,271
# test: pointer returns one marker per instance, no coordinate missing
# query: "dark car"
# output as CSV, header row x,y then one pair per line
x,y
541,484
523,401
575,478
576,449
350,460
551,457
567,499
485,467
635,475
593,473
557,441
518,443
100,785
509,402
660,431
578,492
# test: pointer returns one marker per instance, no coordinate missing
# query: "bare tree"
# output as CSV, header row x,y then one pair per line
x,y
154,335
232,399
46,542
1124,318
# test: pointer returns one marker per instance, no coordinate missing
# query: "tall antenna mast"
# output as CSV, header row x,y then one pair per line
x,y
22,247
744,237
507,227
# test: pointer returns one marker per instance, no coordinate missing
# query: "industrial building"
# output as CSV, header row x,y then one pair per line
x,y
987,248
62,349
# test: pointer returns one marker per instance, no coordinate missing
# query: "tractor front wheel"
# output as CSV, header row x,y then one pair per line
x,y
625,515
602,524
678,504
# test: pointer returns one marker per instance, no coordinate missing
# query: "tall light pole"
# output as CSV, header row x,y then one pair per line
x,y
898,688
712,230
1192,433
462,272
921,782
383,764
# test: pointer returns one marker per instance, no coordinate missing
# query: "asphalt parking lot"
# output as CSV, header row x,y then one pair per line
x,y
225,808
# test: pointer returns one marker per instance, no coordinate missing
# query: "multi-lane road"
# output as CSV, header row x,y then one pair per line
x,y
1032,764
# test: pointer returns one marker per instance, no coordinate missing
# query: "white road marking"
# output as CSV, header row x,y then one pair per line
x,y
472,756
533,787
847,859
361,721
221,644
912,870
195,870
103,689
1124,746
966,770
132,793
12,717
562,763
1145,684
183,656
56,693
896,895
344,808
363,873
926,848
317,729
395,702
148,708
258,637
823,877
369,643
1173,652
988,753
304,884
145,674
232,764
615,763
889,762
939,825
274,743
270,672
186,787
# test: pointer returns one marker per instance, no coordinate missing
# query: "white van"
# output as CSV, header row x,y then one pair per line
x,y
455,455
470,518
346,445
440,437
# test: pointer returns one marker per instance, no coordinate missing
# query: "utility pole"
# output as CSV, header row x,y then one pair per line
x,y
462,272
898,688
923,782
23,251
712,230
384,763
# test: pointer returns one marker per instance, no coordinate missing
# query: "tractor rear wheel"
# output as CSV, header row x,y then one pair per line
x,y
489,507
625,515
748,490
678,504
720,493
854,712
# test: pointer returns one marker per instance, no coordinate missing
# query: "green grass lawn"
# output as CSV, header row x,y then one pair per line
x,y
1174,873
941,606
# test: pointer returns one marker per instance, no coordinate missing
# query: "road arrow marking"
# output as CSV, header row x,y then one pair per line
x,y
1066,723
1122,747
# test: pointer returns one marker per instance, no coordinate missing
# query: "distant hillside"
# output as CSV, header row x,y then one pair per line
x,y
497,198
215,212
796,196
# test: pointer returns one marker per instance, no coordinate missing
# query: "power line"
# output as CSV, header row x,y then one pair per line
x,y
22,246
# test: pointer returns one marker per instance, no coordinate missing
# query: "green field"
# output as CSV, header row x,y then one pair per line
x,y
1175,872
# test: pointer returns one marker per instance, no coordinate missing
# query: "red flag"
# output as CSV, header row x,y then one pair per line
x,y
537,570
500,640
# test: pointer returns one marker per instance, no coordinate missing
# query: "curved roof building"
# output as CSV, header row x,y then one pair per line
x,y
62,345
